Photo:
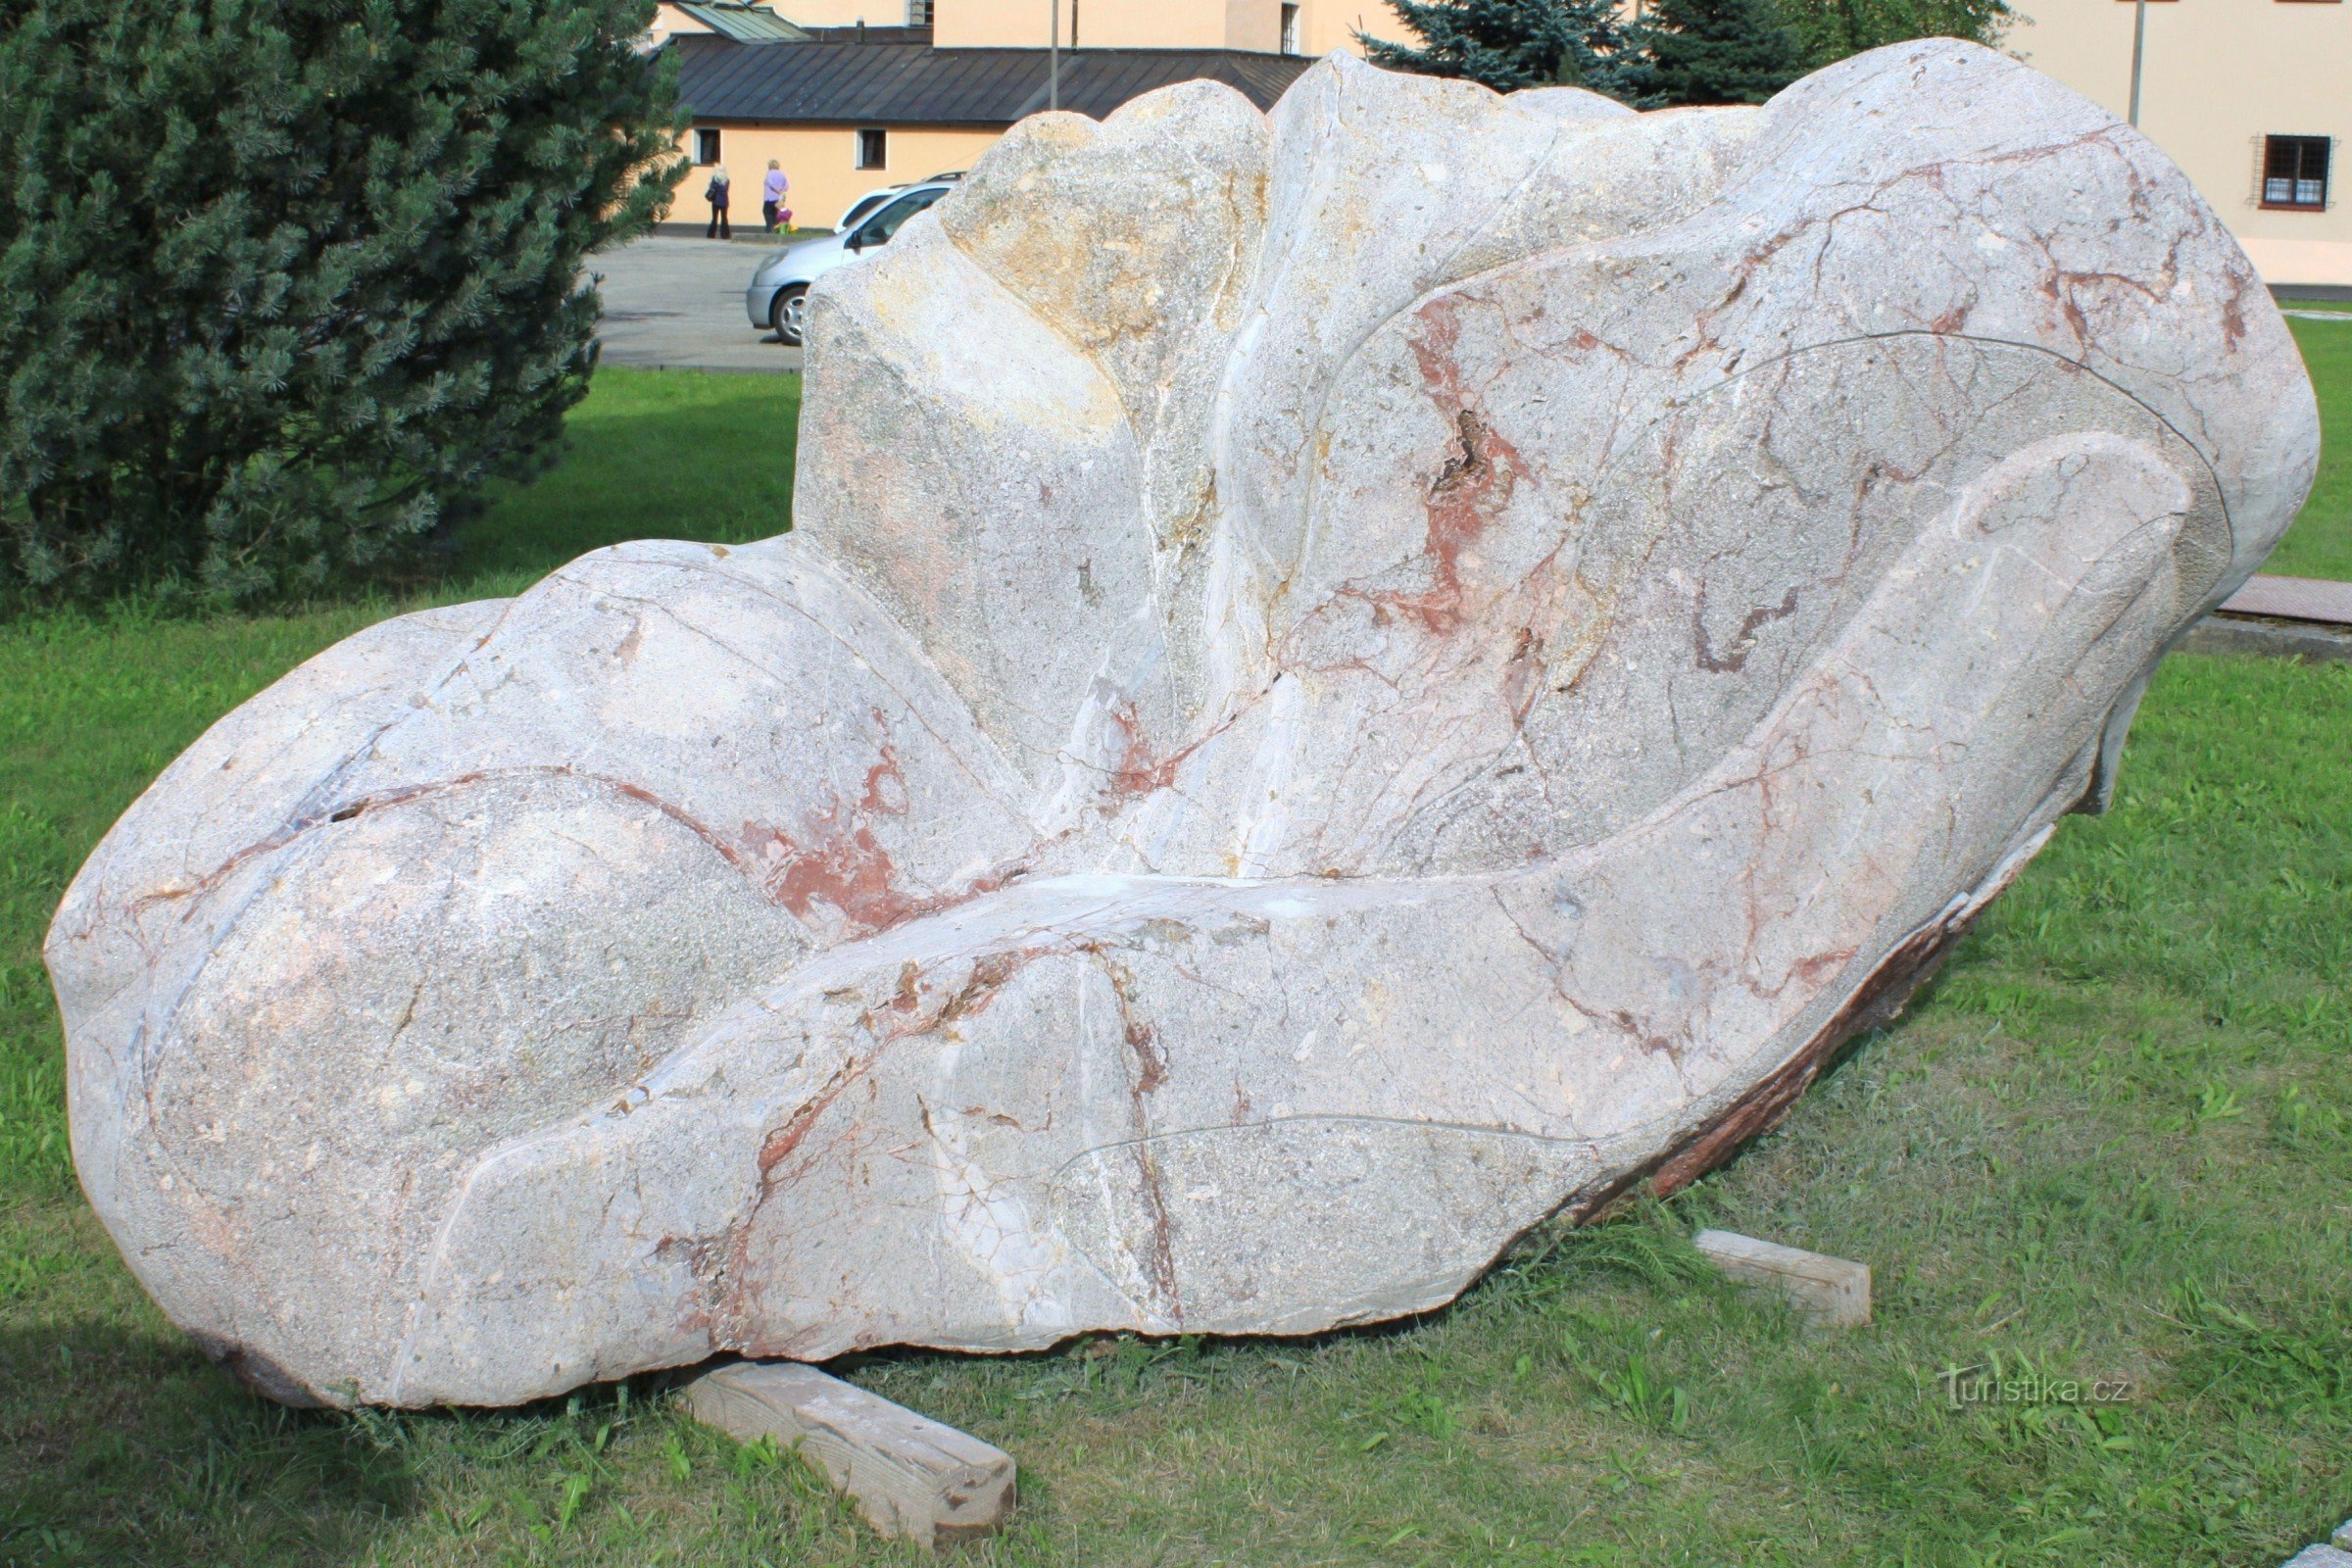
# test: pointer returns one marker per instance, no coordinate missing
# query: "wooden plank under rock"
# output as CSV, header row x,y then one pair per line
x,y
909,1476
1831,1291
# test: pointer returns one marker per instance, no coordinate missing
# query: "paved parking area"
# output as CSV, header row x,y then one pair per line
x,y
677,303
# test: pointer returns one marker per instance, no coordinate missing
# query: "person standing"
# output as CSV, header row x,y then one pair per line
x,y
716,196
771,195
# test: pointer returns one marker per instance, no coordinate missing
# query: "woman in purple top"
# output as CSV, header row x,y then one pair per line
x,y
771,195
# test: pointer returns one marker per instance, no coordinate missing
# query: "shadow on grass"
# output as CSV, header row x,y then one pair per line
x,y
123,1444
129,1446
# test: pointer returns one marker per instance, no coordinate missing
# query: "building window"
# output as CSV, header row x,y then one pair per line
x,y
706,147
873,149
918,13
2295,172
1290,29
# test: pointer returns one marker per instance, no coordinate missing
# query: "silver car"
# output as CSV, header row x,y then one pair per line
x,y
872,199
778,298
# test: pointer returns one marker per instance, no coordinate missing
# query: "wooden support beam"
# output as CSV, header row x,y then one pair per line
x,y
1831,1290
908,1475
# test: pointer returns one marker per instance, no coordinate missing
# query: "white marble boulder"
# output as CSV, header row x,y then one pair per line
x,y
1347,681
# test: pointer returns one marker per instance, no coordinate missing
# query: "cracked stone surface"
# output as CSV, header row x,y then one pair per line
x,y
1347,681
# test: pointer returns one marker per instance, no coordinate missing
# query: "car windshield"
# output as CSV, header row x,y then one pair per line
x,y
865,206
884,223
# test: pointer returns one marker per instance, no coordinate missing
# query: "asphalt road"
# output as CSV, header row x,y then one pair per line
x,y
676,303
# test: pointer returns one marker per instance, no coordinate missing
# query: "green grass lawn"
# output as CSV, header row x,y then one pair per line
x,y
2320,544
652,454
2115,1141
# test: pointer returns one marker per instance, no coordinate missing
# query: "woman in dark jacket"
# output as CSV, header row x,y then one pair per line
x,y
716,196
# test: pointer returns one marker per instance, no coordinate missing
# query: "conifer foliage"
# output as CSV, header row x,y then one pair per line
x,y
1508,44
1829,30
1676,51
1715,52
280,280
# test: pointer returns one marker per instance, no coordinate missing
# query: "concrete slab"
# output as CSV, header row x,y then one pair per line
x,y
2312,599
676,303
2320,1557
2277,639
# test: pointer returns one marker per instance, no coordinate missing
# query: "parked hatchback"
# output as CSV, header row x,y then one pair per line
x,y
864,206
778,298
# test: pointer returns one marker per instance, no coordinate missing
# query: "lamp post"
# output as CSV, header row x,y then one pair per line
x,y
1053,65
2139,45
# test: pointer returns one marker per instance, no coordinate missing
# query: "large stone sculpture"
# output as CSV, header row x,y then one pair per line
x,y
1347,681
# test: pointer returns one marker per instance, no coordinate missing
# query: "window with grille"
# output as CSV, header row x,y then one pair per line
x,y
918,13
2295,172
1290,29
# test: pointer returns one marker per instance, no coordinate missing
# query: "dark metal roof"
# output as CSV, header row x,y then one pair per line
x,y
913,84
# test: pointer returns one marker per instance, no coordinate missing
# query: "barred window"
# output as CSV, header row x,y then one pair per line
x,y
2295,172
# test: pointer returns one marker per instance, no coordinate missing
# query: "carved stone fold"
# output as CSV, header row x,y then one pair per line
x,y
1346,680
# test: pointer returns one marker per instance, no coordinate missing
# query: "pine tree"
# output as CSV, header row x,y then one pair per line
x,y
1714,52
1509,44
1829,30
281,280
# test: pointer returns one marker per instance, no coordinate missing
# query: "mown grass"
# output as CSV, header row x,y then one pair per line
x,y
2114,1141
662,455
2320,544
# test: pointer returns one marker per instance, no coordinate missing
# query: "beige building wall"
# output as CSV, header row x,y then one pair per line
x,y
668,20
1323,25
2217,77
842,13
1334,23
821,162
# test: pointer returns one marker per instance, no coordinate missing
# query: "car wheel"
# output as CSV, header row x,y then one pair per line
x,y
788,314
